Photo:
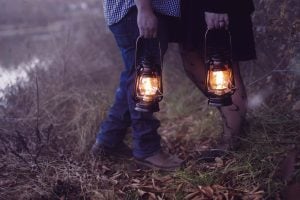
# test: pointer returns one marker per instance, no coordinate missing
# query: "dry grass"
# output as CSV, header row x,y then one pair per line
x,y
45,144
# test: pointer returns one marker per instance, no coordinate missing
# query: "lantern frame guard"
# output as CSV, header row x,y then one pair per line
x,y
219,73
148,65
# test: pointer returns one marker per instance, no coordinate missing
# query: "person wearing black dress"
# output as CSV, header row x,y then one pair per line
x,y
235,16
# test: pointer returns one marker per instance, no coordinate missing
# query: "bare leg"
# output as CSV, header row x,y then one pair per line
x,y
233,115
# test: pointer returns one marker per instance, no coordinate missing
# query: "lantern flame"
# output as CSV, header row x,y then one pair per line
x,y
148,87
220,80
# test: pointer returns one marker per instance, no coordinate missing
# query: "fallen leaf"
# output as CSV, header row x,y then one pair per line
x,y
121,192
219,162
136,180
165,178
97,195
141,192
179,187
105,169
159,198
219,187
134,185
153,183
152,195
207,191
116,175
198,198
191,195
114,182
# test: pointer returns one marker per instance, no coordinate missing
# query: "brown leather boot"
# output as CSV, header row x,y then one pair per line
x,y
161,161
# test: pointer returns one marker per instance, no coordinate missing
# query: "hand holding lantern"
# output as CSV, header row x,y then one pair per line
x,y
220,79
148,82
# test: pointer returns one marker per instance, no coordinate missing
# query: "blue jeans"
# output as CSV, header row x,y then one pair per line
x,y
122,115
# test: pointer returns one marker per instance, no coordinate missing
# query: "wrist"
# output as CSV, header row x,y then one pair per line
x,y
144,6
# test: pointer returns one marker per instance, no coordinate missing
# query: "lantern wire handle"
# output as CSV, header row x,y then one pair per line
x,y
205,42
139,43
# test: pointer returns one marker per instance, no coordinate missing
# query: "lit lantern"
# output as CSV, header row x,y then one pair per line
x,y
148,83
220,79
220,84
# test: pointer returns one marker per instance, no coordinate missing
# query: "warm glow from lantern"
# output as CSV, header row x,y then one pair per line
x,y
148,87
220,80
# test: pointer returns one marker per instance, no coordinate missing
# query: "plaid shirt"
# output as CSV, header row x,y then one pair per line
x,y
115,10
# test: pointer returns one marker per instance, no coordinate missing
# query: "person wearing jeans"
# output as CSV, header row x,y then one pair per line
x,y
128,20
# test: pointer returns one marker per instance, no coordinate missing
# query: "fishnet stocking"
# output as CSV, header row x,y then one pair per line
x,y
233,116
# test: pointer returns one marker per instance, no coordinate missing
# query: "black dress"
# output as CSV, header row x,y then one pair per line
x,y
240,25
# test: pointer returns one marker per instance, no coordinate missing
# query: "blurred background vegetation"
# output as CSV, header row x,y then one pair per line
x,y
59,67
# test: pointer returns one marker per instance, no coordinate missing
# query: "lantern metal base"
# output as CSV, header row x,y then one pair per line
x,y
146,107
220,101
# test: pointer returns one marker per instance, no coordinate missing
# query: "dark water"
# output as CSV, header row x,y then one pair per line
x,y
18,55
27,45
